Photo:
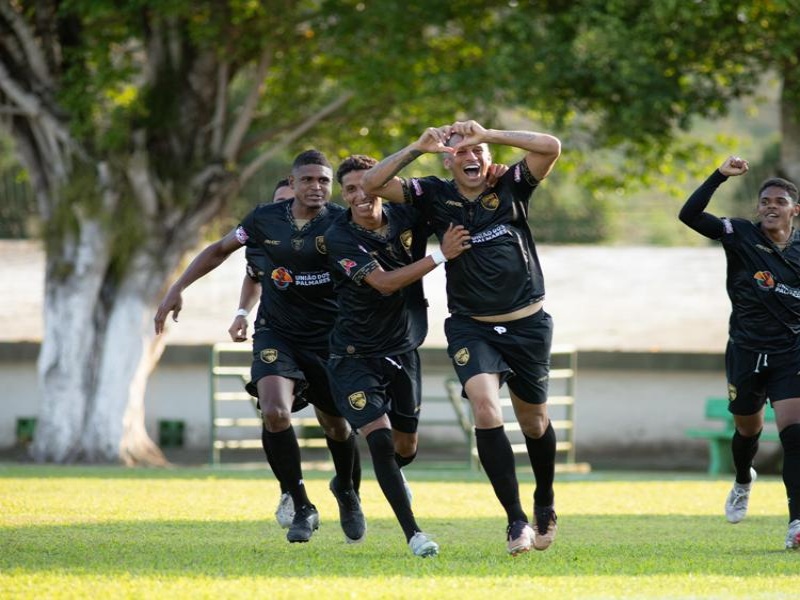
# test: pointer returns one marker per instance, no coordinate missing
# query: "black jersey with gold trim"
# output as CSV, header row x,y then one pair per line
x,y
501,272
297,295
369,323
763,285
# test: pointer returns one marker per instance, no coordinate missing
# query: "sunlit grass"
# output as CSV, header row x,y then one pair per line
x,y
81,532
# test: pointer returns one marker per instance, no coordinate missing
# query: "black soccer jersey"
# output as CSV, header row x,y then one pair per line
x,y
763,282
296,289
371,324
501,273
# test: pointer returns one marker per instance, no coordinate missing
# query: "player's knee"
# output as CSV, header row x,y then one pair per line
x,y
336,428
534,426
276,418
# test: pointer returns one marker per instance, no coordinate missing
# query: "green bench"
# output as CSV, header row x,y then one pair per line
x,y
719,437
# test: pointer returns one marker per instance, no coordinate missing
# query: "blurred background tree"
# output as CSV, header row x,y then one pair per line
x,y
138,123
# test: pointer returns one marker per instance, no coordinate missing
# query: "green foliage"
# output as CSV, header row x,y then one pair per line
x,y
210,533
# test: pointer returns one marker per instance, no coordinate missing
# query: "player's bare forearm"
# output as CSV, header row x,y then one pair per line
x,y
532,141
377,178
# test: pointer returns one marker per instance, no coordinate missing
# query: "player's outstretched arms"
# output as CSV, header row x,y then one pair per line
x,y
209,259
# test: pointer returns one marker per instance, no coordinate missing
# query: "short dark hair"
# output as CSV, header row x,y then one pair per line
x,y
356,162
781,183
311,157
281,183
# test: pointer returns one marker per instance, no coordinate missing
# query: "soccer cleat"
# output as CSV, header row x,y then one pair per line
x,y
520,537
739,496
284,514
422,545
793,535
304,524
350,515
545,531
409,495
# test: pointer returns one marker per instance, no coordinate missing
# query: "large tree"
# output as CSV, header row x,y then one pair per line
x,y
139,120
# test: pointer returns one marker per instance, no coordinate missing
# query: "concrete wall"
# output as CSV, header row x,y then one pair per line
x,y
631,408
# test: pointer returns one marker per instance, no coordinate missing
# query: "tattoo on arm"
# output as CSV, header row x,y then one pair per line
x,y
397,161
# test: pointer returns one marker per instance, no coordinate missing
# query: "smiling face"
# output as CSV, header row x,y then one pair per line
x,y
468,165
776,209
366,208
312,185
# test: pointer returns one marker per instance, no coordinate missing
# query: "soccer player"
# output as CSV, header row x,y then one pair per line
x,y
377,256
250,292
290,344
498,330
761,359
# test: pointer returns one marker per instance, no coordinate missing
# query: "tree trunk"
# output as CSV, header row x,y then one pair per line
x,y
98,350
74,278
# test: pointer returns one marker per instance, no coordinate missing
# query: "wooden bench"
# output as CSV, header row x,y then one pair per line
x,y
719,436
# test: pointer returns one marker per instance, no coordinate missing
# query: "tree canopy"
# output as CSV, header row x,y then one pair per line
x,y
138,121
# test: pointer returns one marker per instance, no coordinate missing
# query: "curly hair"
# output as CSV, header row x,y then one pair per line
x,y
356,162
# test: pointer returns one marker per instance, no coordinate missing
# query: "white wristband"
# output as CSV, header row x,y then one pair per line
x,y
438,257
242,312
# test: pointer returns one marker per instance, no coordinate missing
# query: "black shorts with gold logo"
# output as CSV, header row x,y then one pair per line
x,y
275,354
519,351
367,388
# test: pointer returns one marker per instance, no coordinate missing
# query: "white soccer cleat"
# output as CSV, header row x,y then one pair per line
x,y
422,545
519,536
284,514
738,498
793,535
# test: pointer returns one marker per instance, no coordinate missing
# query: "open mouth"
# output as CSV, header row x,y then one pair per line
x,y
472,170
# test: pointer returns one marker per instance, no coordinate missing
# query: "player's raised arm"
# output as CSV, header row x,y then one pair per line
x,y
542,149
381,179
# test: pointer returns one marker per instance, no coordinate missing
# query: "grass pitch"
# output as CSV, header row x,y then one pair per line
x,y
77,532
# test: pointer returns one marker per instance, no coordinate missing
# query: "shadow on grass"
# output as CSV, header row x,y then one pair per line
x,y
627,545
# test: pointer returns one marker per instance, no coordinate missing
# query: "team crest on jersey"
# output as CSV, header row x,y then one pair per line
x,y
765,280
281,277
490,202
297,243
347,264
319,241
406,238
268,355
462,357
357,400
731,392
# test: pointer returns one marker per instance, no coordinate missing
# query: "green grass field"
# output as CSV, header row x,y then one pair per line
x,y
78,532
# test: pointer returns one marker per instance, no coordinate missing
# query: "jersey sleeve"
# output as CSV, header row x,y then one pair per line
x,y
520,180
256,263
693,212
347,256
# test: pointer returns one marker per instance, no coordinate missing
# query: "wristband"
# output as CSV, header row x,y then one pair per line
x,y
242,312
438,257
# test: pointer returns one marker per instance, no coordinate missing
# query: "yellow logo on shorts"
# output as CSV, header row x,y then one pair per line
x,y
358,400
268,355
731,392
462,357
